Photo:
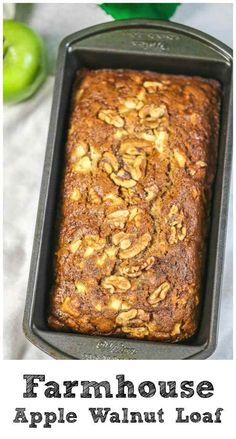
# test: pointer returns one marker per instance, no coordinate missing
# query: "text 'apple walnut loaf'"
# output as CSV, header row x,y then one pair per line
x,y
140,162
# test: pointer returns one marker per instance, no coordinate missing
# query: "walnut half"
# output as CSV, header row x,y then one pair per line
x,y
159,294
113,283
136,248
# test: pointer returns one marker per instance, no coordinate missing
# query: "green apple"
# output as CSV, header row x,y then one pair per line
x,y
24,61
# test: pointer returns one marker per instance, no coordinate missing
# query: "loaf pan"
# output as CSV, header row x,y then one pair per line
x,y
145,45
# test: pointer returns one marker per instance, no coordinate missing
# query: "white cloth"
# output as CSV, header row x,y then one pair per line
x,y
25,134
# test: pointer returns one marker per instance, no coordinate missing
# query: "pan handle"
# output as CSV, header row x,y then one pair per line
x,y
86,347
151,37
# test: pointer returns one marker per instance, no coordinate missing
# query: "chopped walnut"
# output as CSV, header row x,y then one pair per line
x,y
111,118
113,199
126,243
152,86
135,165
117,237
118,218
130,195
141,332
152,111
121,181
156,208
182,234
135,146
109,162
85,158
161,140
172,239
159,294
114,282
131,271
124,317
139,167
122,239
201,164
152,192
121,213
79,151
130,104
193,168
125,306
136,248
93,243
94,197
143,315
173,210
147,135
177,230
95,156
141,94
146,265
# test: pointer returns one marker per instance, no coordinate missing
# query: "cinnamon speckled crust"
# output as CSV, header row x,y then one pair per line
x,y
140,162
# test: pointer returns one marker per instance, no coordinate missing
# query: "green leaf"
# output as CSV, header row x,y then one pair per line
x,y
160,11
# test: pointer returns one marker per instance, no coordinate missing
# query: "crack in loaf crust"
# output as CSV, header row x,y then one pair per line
x,y
140,162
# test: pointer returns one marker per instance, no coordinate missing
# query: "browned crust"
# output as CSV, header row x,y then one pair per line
x,y
140,162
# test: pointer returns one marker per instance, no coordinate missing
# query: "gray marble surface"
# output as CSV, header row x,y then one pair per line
x,y
25,133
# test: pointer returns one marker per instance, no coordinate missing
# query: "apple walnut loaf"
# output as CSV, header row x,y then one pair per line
x,y
140,162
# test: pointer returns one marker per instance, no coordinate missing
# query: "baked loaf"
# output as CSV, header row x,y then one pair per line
x,y
140,162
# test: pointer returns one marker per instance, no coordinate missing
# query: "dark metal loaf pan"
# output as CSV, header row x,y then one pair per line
x,y
145,45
